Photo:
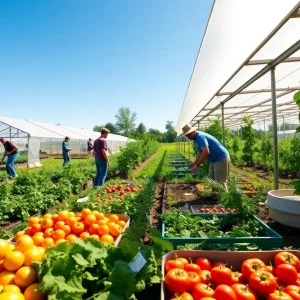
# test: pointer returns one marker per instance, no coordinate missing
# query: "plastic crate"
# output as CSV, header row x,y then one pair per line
x,y
234,259
271,238
195,209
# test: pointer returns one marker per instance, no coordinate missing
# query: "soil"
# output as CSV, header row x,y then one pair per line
x,y
178,194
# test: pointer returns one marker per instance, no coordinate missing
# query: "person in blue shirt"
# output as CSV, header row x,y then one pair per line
x,y
209,148
66,150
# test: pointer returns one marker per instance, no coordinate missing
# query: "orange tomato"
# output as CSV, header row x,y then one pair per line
x,y
102,222
106,219
47,216
47,223
84,235
121,223
35,228
12,247
85,212
90,219
115,230
78,214
71,221
98,215
78,227
59,241
38,233
71,238
59,234
33,220
23,243
59,225
25,276
107,238
19,234
54,218
38,240
113,218
94,229
109,224
32,293
71,215
13,260
11,287
4,248
103,229
7,277
28,231
49,233
31,255
48,241
66,229
95,236
63,215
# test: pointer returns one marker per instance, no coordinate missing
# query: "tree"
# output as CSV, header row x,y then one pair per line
x,y
111,127
171,133
98,128
141,129
125,120
215,128
248,137
156,135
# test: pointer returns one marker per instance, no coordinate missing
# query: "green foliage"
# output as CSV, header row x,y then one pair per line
x,y
248,137
170,133
215,128
134,153
125,120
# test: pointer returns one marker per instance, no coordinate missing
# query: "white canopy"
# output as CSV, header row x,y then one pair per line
x,y
243,40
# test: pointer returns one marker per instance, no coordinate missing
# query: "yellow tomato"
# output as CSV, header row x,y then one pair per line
x,y
25,276
13,260
4,248
31,293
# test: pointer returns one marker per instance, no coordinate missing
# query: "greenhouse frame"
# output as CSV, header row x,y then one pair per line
x,y
253,71
34,138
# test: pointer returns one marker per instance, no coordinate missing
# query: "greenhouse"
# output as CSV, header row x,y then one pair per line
x,y
35,138
253,70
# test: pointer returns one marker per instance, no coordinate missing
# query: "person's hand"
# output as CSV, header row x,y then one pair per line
x,y
192,165
195,169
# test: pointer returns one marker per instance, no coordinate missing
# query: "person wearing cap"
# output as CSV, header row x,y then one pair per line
x,y
12,153
209,148
66,150
101,157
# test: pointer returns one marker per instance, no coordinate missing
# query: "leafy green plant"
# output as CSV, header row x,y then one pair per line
x,y
248,137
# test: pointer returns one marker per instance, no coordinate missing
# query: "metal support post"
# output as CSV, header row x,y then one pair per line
x,y
223,125
283,127
274,128
184,147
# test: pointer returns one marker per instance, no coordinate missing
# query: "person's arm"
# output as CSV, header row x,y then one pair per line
x,y
4,154
14,148
105,152
201,159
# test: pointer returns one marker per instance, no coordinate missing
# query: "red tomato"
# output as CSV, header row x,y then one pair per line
x,y
279,295
184,260
293,291
271,269
177,280
205,276
243,292
194,279
128,189
202,290
224,292
238,277
221,275
208,298
287,258
298,280
251,265
184,296
287,274
262,282
192,268
173,264
203,263
218,263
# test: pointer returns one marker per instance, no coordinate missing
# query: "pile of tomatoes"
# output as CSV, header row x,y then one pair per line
x,y
203,280
67,226
18,280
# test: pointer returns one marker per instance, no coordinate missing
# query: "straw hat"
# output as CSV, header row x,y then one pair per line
x,y
187,129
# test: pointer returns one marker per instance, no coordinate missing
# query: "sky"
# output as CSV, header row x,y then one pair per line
x,y
75,62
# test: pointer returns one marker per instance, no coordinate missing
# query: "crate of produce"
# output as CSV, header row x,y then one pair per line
x,y
117,236
218,230
233,260
211,209
247,188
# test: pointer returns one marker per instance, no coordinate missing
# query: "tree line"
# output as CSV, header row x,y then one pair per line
x,y
125,124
